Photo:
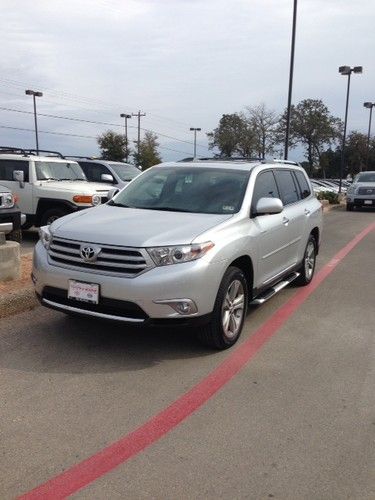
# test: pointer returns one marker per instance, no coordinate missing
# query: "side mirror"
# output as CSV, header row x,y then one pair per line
x,y
19,176
112,192
269,206
107,178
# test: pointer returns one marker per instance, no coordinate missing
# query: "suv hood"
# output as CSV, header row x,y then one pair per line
x,y
134,227
77,187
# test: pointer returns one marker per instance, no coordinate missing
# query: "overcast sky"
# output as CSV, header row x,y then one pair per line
x,y
182,62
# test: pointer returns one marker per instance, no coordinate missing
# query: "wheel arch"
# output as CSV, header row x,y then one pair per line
x,y
246,265
49,203
316,233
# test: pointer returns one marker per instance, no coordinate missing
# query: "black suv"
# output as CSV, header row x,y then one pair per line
x,y
10,215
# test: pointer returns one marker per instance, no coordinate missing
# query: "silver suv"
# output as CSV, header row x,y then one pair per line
x,y
362,192
189,244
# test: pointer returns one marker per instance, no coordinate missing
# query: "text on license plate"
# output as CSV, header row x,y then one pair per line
x,y
85,292
368,202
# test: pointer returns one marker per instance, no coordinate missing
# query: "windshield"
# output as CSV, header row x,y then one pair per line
x,y
190,189
58,170
366,177
124,171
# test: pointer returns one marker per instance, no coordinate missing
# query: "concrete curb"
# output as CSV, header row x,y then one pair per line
x,y
17,301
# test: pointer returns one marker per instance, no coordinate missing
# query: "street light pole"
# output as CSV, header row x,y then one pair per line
x,y
346,71
139,114
291,71
195,130
35,94
369,105
126,116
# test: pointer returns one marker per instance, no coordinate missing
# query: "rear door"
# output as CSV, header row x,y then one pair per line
x,y
293,215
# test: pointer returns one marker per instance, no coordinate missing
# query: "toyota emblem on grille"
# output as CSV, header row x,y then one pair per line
x,y
89,253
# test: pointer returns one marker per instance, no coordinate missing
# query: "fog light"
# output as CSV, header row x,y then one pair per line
x,y
182,306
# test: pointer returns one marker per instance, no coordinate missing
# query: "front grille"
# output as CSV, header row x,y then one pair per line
x,y
366,190
118,261
111,307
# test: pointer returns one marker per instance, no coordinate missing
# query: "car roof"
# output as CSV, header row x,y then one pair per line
x,y
246,165
15,156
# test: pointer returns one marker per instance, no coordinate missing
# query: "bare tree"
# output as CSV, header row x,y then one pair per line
x,y
263,123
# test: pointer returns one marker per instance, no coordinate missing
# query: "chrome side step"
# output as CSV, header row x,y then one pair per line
x,y
264,296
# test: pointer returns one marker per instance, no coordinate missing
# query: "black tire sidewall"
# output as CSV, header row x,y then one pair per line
x,y
231,274
50,213
303,278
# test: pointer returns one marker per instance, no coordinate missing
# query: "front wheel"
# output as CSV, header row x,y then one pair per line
x,y
15,235
51,215
308,265
229,311
349,207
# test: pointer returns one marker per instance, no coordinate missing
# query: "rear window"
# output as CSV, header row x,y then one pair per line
x,y
287,187
303,184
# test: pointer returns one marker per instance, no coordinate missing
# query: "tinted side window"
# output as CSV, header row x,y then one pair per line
x,y
303,184
93,171
7,167
287,187
265,187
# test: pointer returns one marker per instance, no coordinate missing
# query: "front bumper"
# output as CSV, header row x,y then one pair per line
x,y
10,220
361,200
132,300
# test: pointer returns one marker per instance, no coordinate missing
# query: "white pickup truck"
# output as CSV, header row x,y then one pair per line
x,y
49,186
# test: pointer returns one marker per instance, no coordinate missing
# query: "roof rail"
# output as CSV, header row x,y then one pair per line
x,y
83,157
51,153
286,162
226,158
11,149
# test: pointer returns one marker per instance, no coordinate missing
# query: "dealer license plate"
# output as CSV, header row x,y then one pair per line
x,y
368,202
83,292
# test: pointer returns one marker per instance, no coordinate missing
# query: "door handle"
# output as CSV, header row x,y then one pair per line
x,y
307,212
285,221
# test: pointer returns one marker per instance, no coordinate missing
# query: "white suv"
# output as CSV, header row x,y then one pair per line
x,y
183,244
47,187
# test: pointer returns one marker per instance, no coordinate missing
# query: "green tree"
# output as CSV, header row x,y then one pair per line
x,y
148,153
113,146
233,136
263,123
313,126
355,152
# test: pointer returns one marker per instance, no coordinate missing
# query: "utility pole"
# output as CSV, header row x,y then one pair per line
x,y
139,114
126,116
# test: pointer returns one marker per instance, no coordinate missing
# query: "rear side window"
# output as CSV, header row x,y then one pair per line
x,y
7,167
93,171
287,187
265,187
303,184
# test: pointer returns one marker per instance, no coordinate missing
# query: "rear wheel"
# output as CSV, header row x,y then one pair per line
x,y
229,311
307,268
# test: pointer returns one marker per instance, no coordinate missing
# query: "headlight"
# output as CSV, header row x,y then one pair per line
x,y
7,200
45,236
164,256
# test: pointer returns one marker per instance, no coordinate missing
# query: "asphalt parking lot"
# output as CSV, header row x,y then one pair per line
x,y
297,421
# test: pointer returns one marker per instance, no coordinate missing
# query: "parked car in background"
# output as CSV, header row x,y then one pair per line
x,y
11,218
47,187
362,192
184,244
116,173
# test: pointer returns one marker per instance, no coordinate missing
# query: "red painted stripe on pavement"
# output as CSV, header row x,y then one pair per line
x,y
87,471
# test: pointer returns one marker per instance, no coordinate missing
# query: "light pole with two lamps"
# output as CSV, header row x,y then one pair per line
x,y
34,93
195,130
346,71
126,116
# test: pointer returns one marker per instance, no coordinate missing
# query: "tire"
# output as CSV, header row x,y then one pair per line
x,y
227,321
349,207
15,235
307,268
51,215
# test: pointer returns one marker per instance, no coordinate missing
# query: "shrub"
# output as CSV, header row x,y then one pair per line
x,y
333,198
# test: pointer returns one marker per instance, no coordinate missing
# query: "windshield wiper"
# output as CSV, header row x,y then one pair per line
x,y
115,204
166,209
